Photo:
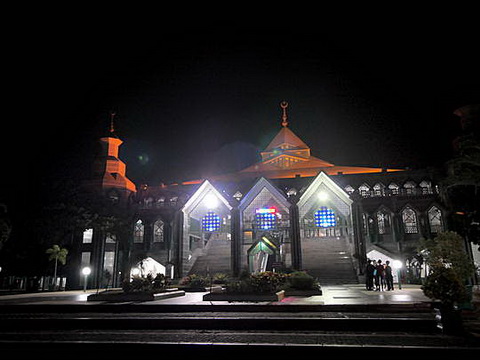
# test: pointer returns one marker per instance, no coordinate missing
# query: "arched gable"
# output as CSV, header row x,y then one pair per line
x,y
323,186
263,186
205,197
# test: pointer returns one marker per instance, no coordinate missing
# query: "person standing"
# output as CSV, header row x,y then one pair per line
x,y
388,275
369,275
379,276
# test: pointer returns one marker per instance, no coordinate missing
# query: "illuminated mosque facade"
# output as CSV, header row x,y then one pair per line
x,y
290,211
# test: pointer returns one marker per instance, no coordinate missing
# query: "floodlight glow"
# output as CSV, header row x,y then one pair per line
x,y
210,201
322,195
397,264
85,272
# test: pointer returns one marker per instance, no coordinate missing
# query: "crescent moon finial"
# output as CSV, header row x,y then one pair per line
x,y
284,106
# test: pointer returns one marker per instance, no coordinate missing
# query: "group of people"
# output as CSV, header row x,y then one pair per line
x,y
378,276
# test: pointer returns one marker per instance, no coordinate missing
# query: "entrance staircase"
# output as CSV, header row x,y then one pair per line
x,y
328,260
216,259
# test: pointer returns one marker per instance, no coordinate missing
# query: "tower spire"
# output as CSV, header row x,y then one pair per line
x,y
284,106
112,116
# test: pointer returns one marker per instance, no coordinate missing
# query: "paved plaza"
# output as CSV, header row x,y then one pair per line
x,y
354,294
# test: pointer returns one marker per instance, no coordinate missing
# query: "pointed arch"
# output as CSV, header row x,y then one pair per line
x,y
138,232
409,220
263,185
384,220
435,219
325,187
158,229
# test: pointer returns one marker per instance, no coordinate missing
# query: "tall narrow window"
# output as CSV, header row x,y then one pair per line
x,y
384,223
138,232
87,236
409,218
435,220
158,231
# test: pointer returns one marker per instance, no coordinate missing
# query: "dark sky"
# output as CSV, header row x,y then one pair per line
x,y
194,102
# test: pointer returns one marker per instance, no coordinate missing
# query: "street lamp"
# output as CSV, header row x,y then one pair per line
x,y
85,272
397,264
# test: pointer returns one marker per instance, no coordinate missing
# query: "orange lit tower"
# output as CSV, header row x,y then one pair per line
x,y
109,172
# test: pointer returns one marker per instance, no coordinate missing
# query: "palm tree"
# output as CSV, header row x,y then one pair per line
x,y
58,254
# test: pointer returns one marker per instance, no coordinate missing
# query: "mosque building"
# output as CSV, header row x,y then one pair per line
x,y
291,210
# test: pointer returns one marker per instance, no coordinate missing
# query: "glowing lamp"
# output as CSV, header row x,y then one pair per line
x,y
210,201
322,196
85,272
397,264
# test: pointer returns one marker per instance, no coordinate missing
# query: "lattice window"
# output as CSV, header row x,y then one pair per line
x,y
435,219
394,188
349,189
364,190
379,189
265,199
325,218
211,222
158,231
409,217
138,232
410,187
426,187
266,218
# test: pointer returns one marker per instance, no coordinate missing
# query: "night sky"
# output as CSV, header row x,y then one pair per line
x,y
195,102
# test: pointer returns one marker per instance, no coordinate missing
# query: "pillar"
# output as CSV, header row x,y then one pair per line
x,y
236,242
296,246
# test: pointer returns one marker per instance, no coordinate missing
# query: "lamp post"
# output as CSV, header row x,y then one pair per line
x,y
85,272
397,264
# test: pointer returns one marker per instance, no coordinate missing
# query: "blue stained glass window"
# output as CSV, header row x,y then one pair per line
x,y
265,218
211,222
325,217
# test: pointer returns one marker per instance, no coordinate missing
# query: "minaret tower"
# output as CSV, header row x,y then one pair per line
x,y
109,172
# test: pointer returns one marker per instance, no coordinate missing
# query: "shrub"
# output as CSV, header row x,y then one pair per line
x,y
194,281
138,284
268,281
300,280
145,284
220,278
160,282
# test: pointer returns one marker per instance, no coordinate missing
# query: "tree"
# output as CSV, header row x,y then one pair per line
x,y
460,189
450,268
58,254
